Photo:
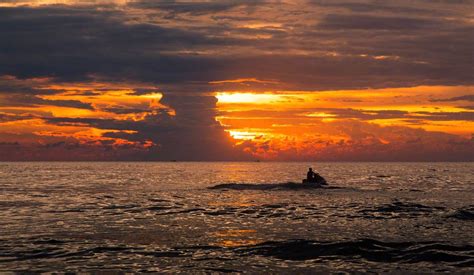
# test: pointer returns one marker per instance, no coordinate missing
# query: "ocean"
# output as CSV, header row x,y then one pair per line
x,y
204,217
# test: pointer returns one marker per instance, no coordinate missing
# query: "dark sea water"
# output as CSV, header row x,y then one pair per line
x,y
171,217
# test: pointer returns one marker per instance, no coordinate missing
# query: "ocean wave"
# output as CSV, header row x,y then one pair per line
x,y
465,213
292,250
397,209
60,250
368,249
296,211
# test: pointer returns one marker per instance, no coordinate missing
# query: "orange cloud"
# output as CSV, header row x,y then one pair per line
x,y
27,118
332,124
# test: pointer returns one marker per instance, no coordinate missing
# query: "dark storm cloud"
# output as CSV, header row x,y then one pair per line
x,y
194,134
71,44
76,43
193,8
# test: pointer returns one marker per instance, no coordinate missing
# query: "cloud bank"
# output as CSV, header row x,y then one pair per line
x,y
137,80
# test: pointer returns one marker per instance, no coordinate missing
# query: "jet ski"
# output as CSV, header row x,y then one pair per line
x,y
318,180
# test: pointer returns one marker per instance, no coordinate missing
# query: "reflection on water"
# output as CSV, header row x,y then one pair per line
x,y
199,217
237,237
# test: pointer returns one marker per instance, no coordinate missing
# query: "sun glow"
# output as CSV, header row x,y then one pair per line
x,y
322,114
247,98
245,135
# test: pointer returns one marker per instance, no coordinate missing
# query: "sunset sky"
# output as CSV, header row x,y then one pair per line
x,y
237,80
